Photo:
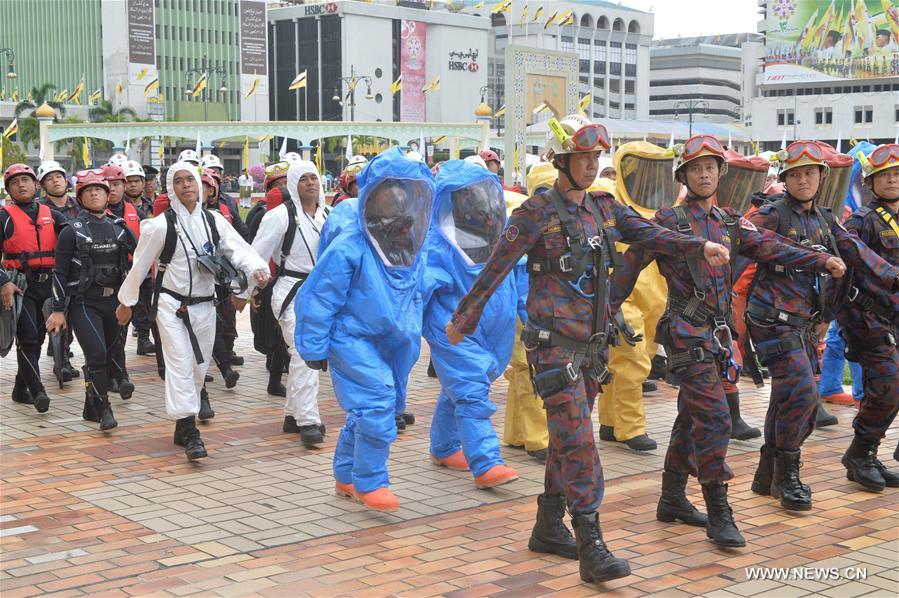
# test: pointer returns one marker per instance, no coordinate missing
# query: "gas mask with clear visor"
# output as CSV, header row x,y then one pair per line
x,y
396,215
474,218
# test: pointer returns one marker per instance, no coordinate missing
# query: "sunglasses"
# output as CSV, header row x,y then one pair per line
x,y
84,173
810,149
697,143
587,138
884,154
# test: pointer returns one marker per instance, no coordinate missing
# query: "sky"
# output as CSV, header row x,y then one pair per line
x,y
686,18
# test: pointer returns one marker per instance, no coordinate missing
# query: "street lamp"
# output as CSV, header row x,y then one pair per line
x,y
690,105
208,68
10,64
351,83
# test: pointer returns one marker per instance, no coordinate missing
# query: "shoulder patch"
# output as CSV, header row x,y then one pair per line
x,y
746,224
887,233
610,223
511,233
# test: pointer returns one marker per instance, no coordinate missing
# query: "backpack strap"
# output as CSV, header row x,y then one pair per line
x,y
887,219
731,224
696,272
168,250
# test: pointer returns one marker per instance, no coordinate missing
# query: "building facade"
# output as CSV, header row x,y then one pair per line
x,y
367,47
712,76
612,42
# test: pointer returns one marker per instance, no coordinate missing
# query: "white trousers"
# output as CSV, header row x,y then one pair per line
x,y
183,375
302,382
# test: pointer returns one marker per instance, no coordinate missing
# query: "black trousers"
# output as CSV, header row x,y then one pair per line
x,y
99,335
140,315
30,332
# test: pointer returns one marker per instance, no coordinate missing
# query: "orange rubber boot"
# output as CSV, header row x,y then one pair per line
x,y
344,490
496,476
456,461
840,398
381,499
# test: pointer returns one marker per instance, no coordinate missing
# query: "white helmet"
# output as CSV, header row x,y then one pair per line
x,y
189,155
133,168
357,159
414,155
47,167
211,161
117,159
292,157
477,161
561,137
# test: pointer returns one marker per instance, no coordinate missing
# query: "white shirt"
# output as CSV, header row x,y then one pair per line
x,y
245,181
183,274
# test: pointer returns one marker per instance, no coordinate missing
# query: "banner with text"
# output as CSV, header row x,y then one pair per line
x,y
413,38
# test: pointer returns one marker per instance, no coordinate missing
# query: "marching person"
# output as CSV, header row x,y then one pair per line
x,y
869,321
469,216
28,232
360,312
134,185
696,332
784,308
289,234
569,237
191,249
91,262
150,192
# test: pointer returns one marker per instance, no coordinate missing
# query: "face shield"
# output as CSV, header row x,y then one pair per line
x,y
396,216
644,179
744,176
473,219
835,187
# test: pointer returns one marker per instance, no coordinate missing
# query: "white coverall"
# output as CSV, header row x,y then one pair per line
x,y
183,375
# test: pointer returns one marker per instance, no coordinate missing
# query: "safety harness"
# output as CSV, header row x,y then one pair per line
x,y
95,280
698,313
597,253
293,217
789,226
168,251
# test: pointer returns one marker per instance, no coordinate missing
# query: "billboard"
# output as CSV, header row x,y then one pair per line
x,y
810,41
412,68
141,34
253,50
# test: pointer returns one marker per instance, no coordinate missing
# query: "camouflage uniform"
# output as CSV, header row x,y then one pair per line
x,y
701,431
554,303
871,338
789,349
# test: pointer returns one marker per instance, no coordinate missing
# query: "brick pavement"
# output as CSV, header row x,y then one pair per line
x,y
125,514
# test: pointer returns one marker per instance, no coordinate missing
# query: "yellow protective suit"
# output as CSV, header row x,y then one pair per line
x,y
525,423
621,402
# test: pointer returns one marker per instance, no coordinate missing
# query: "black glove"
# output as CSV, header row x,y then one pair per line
x,y
630,337
318,364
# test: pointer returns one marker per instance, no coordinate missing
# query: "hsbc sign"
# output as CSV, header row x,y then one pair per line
x,y
463,61
324,8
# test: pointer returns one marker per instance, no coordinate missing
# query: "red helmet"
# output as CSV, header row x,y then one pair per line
x,y
275,172
111,172
90,178
489,156
17,169
211,171
345,180
207,178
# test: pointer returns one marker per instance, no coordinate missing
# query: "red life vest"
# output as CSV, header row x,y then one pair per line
x,y
129,215
225,211
37,240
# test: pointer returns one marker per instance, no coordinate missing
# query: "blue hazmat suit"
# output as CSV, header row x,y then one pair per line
x,y
469,216
361,309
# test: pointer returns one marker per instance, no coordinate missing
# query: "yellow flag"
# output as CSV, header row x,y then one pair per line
x,y
515,159
76,95
143,73
566,19
200,85
396,85
479,5
15,95
246,153
501,7
151,86
318,157
538,13
252,91
524,16
62,96
432,86
85,154
161,149
119,88
584,103
298,81
500,112
11,129
95,96
550,20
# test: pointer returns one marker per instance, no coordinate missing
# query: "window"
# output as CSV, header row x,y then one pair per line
x,y
629,86
785,117
615,85
864,115
630,70
567,43
897,114
780,118
823,116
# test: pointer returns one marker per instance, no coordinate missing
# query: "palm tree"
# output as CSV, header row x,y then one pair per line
x,y
29,131
38,96
103,112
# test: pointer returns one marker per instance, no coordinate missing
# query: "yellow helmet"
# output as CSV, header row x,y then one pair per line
x,y
883,157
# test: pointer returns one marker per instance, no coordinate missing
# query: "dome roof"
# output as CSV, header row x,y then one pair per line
x,y
483,110
45,111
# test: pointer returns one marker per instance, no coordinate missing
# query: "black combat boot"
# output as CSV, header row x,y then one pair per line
x,y
41,401
233,357
104,412
673,504
889,477
823,418
69,372
761,483
231,377
126,388
606,433
408,418
144,345
188,436
400,423
550,534
721,528
649,386
206,411
595,561
89,413
859,462
739,429
311,435
20,392
785,483
275,388
659,368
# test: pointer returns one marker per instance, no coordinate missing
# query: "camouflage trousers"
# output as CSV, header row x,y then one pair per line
x,y
701,430
573,468
880,378
794,392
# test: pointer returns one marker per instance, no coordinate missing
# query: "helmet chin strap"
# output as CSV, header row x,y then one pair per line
x,y
564,166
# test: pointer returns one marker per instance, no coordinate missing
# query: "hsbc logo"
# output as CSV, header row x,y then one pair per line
x,y
325,8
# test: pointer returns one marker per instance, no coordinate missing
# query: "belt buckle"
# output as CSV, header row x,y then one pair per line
x,y
572,374
782,317
698,354
107,291
43,277
595,242
565,263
